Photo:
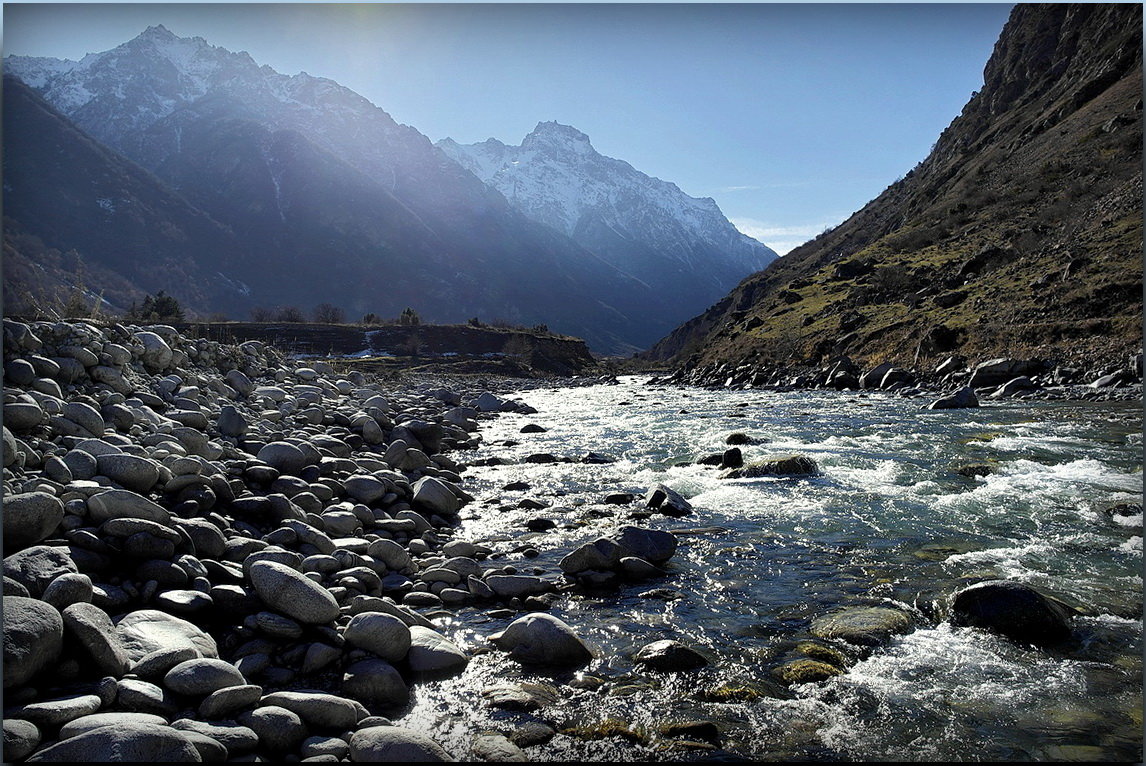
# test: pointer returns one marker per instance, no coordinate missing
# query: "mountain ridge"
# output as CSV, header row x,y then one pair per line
x,y
644,226
234,138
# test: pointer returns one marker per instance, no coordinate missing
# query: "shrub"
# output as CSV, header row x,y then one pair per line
x,y
161,307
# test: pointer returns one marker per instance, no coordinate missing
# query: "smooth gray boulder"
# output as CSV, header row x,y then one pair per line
x,y
156,354
36,567
669,656
964,397
432,653
380,634
435,495
202,676
33,638
496,747
225,702
292,593
375,682
542,639
97,635
649,544
284,456
148,630
775,465
394,743
874,377
117,503
95,721
20,738
319,709
139,474
122,742
280,730
29,518
601,554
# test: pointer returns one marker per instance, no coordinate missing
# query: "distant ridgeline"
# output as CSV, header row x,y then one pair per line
x,y
170,164
540,351
1019,235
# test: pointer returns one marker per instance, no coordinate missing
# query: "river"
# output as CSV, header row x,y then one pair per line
x,y
886,520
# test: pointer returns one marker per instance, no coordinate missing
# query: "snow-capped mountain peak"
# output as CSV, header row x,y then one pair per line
x,y
555,137
557,178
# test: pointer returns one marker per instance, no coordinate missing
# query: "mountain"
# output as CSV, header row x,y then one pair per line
x,y
113,227
678,245
327,198
1019,235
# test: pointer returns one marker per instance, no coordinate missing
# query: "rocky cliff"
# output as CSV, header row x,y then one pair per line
x,y
1020,233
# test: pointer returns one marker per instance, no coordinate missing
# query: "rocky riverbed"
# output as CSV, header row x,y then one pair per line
x,y
213,552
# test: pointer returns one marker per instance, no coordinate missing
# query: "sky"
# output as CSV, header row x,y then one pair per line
x,y
790,116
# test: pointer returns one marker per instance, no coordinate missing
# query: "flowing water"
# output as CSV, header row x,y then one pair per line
x,y
887,520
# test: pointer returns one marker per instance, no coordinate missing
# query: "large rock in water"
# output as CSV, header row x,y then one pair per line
x,y
649,544
863,625
669,656
394,743
666,500
779,465
542,639
33,638
1014,610
964,397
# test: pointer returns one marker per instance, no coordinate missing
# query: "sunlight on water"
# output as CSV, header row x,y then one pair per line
x,y
888,519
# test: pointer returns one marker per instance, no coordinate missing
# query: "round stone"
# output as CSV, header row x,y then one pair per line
x,y
380,634
33,638
292,593
394,743
200,677
30,518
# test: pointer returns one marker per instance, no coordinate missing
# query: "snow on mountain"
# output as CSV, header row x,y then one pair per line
x,y
118,96
529,232
557,178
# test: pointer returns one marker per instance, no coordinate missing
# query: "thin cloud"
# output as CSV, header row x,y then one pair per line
x,y
782,239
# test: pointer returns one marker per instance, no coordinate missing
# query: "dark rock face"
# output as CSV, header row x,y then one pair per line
x,y
1014,610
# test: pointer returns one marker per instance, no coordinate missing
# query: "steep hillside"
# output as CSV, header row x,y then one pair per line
x,y
1020,234
77,215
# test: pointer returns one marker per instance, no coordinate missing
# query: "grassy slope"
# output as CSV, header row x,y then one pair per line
x,y
1028,210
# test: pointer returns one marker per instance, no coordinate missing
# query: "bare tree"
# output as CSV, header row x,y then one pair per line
x,y
291,314
326,313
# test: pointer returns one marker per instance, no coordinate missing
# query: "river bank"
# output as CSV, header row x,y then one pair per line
x,y
434,513
192,528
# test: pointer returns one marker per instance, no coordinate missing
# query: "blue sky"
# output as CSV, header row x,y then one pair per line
x,y
791,116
